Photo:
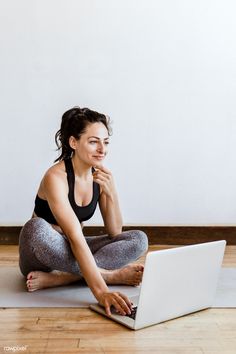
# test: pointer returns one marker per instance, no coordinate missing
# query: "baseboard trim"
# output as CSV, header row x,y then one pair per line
x,y
165,235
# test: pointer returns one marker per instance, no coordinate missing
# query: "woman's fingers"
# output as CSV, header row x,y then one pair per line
x,y
104,180
121,306
102,175
107,307
102,168
100,178
127,301
120,301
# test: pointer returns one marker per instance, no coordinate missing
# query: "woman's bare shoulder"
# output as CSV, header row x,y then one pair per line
x,y
57,171
55,175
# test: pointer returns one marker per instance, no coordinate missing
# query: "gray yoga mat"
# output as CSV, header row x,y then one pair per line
x,y
13,292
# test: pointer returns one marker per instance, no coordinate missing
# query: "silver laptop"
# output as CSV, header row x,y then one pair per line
x,y
175,282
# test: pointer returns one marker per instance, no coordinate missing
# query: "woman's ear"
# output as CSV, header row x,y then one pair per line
x,y
73,142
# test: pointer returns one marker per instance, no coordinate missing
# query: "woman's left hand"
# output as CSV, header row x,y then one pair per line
x,y
104,178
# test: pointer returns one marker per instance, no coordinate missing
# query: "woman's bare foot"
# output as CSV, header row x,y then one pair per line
x,y
40,280
130,275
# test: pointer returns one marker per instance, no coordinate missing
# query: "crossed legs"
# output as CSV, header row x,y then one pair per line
x,y
47,260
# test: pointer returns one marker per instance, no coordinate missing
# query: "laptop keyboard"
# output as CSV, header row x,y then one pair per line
x,y
133,313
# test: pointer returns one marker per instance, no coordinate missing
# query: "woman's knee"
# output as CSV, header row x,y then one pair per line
x,y
34,226
139,238
31,237
142,241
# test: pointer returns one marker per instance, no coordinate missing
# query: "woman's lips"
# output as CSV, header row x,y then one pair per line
x,y
99,157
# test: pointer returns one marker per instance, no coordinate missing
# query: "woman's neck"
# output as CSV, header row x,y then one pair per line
x,y
81,170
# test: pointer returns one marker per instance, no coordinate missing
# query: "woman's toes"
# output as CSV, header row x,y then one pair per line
x,y
139,268
30,275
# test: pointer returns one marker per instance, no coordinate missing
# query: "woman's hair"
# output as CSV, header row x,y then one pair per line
x,y
74,123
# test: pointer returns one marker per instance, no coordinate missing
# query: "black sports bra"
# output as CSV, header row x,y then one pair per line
x,y
83,213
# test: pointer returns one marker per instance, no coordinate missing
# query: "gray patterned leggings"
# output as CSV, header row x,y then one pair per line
x,y
43,248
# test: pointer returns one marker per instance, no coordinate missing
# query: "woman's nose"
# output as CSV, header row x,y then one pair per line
x,y
101,148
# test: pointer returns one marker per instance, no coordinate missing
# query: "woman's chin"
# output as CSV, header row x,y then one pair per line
x,y
98,163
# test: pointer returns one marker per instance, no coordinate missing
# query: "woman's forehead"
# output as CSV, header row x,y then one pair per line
x,y
96,130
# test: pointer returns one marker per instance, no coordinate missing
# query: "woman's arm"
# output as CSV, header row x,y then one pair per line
x,y
108,203
56,192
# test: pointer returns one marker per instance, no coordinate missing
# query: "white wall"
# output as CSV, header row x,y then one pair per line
x,y
163,70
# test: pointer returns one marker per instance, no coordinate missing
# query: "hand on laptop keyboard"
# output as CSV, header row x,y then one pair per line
x,y
133,313
119,301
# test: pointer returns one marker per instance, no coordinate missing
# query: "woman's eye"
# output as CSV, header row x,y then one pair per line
x,y
92,142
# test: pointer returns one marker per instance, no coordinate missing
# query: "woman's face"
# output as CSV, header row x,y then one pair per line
x,y
92,146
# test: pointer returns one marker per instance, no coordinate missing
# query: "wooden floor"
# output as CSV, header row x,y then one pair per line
x,y
75,330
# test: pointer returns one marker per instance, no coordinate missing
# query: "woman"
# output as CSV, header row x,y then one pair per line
x,y
53,249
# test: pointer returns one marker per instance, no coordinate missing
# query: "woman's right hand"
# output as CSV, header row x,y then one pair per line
x,y
120,301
